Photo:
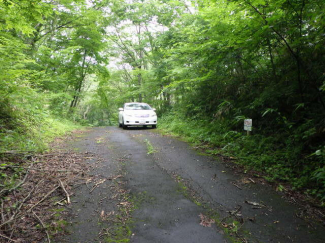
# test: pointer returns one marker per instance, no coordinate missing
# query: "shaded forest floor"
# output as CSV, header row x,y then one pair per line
x,y
36,190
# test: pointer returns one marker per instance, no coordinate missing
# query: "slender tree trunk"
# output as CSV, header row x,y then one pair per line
x,y
139,82
79,84
86,112
140,63
271,57
301,88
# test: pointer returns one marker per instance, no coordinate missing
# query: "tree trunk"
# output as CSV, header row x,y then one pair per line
x,y
78,87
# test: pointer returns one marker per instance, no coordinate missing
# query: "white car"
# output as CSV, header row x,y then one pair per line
x,y
137,114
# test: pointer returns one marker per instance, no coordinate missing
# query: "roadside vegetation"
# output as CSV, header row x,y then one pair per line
x,y
272,157
204,65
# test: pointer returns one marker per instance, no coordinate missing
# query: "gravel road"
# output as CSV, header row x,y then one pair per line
x,y
174,194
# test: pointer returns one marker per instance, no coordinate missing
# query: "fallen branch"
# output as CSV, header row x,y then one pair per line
x,y
31,208
115,177
59,202
36,169
232,213
2,210
236,211
47,233
67,194
97,184
18,208
4,191
3,236
256,204
35,189
236,186
12,231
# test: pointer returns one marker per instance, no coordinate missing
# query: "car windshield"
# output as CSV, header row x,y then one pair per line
x,y
137,107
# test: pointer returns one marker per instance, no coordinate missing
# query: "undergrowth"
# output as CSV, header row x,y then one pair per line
x,y
33,136
27,121
279,158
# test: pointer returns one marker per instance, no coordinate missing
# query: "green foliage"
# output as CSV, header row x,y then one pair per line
x,y
19,16
319,176
211,62
35,134
36,84
272,156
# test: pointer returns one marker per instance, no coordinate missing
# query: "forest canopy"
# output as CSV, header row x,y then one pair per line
x,y
206,65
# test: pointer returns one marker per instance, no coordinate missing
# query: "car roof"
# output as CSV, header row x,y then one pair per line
x,y
135,103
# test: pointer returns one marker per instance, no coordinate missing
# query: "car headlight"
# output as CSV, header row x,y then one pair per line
x,y
153,115
129,115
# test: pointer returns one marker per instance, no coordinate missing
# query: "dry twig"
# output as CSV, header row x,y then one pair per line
x,y
252,180
259,205
4,191
18,208
67,194
30,209
36,169
2,212
236,186
47,233
34,190
3,236
97,184
232,213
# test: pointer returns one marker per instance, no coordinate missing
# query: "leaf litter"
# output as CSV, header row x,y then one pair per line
x,y
33,205
206,221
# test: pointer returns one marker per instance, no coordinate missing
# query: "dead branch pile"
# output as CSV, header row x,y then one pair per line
x,y
34,192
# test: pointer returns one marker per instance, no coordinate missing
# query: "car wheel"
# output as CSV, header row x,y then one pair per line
x,y
154,126
119,125
123,125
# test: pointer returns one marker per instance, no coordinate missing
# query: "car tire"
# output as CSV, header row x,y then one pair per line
x,y
123,125
119,125
154,126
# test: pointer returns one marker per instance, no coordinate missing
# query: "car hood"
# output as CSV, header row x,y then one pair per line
x,y
139,112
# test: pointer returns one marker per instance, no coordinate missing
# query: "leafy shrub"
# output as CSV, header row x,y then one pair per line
x,y
279,159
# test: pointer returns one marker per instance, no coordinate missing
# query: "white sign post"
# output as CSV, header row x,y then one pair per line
x,y
248,123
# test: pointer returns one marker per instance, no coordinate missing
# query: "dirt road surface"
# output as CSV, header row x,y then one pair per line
x,y
147,187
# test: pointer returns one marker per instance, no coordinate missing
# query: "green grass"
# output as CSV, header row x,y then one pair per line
x,y
275,156
121,231
150,148
36,136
